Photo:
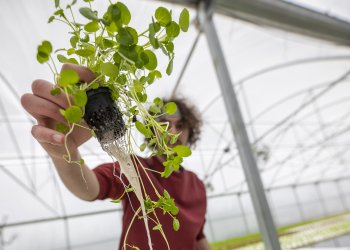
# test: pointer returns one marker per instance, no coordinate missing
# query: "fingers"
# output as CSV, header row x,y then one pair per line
x,y
41,109
42,88
85,74
46,135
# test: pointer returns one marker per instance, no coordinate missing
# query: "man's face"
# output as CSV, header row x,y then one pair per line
x,y
176,126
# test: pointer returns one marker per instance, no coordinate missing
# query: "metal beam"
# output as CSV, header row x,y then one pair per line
x,y
288,17
256,189
284,16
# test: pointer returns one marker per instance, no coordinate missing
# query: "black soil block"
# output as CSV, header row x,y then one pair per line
x,y
103,115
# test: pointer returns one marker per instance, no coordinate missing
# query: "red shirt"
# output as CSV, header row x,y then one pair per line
x,y
183,186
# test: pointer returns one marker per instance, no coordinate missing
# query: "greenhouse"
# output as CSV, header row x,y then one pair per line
x,y
268,78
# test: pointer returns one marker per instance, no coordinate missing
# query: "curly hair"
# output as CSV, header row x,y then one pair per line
x,y
190,117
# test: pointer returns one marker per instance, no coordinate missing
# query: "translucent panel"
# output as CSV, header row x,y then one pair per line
x,y
41,236
95,230
294,97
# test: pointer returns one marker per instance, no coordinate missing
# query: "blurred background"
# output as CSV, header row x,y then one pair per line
x,y
294,96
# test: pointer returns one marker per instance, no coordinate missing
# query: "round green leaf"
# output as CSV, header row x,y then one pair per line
x,y
109,69
134,34
152,60
176,224
125,13
170,108
88,13
73,114
184,20
44,51
80,98
124,37
172,29
163,16
68,77
182,150
92,26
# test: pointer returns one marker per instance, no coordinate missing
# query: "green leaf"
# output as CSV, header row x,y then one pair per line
x,y
55,91
73,61
166,194
88,13
109,69
143,130
62,58
73,114
80,98
51,19
59,13
152,142
68,77
57,3
169,46
92,26
43,52
168,169
170,108
176,224
125,37
125,13
62,128
151,36
182,150
107,43
184,20
169,68
85,39
155,109
81,161
163,16
157,227
129,52
152,60
173,139
172,29
143,146
84,52
174,210
70,51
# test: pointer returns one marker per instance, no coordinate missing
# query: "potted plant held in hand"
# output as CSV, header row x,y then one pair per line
x,y
125,64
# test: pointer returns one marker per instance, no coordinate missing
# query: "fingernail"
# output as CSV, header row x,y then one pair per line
x,y
57,138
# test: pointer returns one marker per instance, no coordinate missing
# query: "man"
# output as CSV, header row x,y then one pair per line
x,y
184,186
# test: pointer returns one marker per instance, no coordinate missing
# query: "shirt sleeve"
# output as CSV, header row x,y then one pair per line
x,y
111,186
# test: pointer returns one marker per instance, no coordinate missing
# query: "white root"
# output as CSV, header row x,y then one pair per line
x,y
128,169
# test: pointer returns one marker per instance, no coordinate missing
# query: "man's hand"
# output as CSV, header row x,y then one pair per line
x,y
45,109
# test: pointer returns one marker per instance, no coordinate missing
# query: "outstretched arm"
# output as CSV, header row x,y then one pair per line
x,y
45,109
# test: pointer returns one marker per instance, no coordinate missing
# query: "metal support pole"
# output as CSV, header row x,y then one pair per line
x,y
256,189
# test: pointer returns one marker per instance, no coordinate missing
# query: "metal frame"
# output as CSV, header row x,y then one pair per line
x,y
282,15
262,210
